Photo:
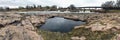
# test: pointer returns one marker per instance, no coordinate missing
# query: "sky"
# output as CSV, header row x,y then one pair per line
x,y
60,3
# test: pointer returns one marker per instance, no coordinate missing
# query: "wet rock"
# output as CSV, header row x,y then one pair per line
x,y
52,16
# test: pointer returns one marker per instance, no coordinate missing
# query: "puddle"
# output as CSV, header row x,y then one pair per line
x,y
58,24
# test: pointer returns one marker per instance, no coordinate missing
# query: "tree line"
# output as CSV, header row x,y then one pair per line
x,y
111,4
41,8
55,8
50,8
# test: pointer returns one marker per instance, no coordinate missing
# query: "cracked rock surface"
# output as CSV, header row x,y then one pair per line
x,y
15,27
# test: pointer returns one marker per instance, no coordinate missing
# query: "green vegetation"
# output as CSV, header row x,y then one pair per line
x,y
97,35
111,4
54,35
113,11
90,35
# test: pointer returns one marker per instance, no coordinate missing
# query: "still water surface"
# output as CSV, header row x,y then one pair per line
x,y
59,24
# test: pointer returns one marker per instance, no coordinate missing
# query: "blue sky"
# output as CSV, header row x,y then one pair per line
x,y
60,3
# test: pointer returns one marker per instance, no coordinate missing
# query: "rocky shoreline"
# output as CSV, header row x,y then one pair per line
x,y
24,27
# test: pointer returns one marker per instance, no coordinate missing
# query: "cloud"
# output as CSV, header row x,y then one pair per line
x,y
62,3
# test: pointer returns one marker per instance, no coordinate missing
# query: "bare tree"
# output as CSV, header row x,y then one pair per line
x,y
1,9
47,8
118,3
53,8
39,6
28,7
20,7
7,8
34,6
108,4
72,8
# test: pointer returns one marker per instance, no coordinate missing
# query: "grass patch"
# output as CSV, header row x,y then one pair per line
x,y
90,35
96,35
54,35
113,11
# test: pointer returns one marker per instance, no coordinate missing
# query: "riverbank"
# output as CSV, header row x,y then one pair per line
x,y
99,26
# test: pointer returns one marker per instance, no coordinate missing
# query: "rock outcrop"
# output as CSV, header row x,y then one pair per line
x,y
18,33
17,28
23,27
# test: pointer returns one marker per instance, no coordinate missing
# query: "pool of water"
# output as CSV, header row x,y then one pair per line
x,y
59,24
